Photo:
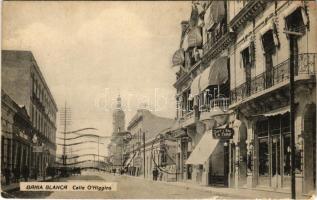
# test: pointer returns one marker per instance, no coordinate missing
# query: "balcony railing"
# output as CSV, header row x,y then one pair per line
x,y
216,104
279,73
188,114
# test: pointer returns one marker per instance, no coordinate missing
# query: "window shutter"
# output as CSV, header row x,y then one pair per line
x,y
304,16
252,53
275,35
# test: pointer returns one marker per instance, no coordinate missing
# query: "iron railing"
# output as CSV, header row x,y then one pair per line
x,y
216,35
188,114
279,73
215,104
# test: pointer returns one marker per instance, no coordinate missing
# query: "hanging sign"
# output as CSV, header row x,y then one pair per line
x,y
222,133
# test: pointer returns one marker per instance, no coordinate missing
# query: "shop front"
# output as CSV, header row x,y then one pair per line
x,y
272,144
260,152
209,161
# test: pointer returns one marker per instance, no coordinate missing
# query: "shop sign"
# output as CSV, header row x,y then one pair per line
x,y
37,149
222,133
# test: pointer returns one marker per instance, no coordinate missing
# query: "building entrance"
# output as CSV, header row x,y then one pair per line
x,y
273,140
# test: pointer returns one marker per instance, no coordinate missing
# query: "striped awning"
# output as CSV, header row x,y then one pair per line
x,y
203,149
194,37
215,74
178,57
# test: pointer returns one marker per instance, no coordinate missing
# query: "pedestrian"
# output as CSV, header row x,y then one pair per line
x,y
7,174
25,172
161,175
155,174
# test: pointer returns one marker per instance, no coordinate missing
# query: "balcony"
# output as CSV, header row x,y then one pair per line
x,y
188,118
218,106
247,13
270,80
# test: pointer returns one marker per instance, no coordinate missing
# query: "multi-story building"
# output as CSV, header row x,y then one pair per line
x,y
16,135
202,86
270,37
23,81
240,81
143,127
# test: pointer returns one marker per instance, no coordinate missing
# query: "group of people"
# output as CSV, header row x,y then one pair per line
x,y
15,175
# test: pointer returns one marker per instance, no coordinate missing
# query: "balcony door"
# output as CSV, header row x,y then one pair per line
x,y
269,50
246,59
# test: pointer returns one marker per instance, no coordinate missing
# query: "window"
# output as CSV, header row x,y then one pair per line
x,y
297,20
268,41
246,55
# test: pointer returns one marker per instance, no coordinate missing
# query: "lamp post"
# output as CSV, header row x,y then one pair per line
x,y
293,36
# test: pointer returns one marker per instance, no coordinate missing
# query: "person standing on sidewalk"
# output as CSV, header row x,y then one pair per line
x,y
155,174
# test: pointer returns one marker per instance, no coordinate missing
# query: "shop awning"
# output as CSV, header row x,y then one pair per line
x,y
194,37
178,57
203,149
280,111
195,87
216,74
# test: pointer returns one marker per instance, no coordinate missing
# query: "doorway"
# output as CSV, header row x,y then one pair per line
x,y
242,155
275,161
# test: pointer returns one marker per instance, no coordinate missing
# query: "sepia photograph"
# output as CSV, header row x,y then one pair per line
x,y
212,99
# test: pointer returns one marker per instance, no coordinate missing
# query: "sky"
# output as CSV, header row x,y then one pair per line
x,y
90,52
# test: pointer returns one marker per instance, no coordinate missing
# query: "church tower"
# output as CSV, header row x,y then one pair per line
x,y
118,118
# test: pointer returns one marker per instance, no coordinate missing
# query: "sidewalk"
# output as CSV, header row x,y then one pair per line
x,y
16,186
241,193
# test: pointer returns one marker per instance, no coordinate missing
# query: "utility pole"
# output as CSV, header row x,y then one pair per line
x,y
144,154
98,152
65,118
292,66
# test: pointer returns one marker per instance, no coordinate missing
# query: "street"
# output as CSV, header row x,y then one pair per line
x,y
128,187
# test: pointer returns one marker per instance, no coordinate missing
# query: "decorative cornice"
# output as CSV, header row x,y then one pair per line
x,y
212,50
247,13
